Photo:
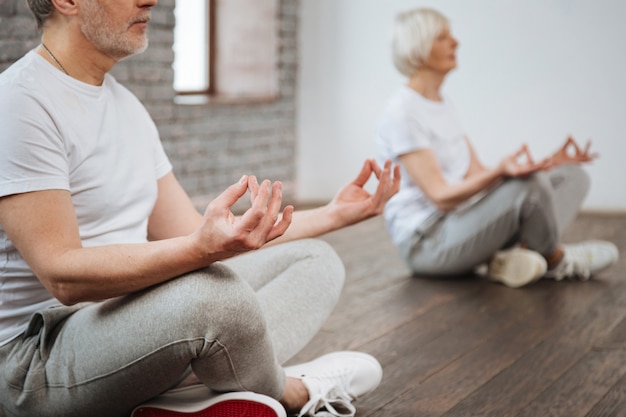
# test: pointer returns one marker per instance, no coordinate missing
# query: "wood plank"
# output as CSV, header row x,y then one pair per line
x,y
472,322
613,403
527,378
615,339
582,387
468,347
490,353
358,320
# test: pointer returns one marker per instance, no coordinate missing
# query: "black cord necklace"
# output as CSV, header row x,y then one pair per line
x,y
56,61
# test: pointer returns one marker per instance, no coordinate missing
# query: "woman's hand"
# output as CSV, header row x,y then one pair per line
x,y
520,163
570,153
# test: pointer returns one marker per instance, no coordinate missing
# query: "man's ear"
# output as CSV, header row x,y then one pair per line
x,y
66,7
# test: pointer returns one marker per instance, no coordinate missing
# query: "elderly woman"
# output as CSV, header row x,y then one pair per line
x,y
453,214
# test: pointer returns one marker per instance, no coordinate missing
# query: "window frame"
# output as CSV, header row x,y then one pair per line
x,y
211,93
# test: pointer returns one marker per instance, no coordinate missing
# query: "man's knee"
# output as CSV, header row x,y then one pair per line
x,y
325,257
213,301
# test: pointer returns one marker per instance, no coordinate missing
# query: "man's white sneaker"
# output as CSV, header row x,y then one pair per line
x,y
200,401
335,380
516,267
584,259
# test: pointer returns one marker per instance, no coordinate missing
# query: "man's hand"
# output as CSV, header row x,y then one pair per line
x,y
353,203
223,235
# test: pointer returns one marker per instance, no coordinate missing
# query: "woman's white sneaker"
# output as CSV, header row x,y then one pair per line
x,y
516,267
335,380
584,259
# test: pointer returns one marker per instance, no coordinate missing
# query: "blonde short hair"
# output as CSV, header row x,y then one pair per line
x,y
413,34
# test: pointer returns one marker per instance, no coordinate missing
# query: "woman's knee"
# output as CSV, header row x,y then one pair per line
x,y
534,186
544,184
571,175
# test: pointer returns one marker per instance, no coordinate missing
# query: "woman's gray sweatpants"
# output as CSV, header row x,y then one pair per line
x,y
234,323
533,210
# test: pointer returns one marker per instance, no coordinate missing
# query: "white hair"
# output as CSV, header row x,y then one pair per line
x,y
413,34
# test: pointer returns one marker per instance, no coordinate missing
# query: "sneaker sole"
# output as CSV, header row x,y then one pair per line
x,y
236,404
517,267
608,247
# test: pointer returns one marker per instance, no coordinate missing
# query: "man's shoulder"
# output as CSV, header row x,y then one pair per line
x,y
18,69
21,85
119,91
22,78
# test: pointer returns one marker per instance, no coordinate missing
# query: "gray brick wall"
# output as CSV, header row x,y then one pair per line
x,y
210,145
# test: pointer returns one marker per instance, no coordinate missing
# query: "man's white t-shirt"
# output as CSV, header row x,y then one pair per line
x,y
97,142
410,123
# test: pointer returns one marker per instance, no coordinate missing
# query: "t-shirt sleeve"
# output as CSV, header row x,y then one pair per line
x,y
162,164
32,153
402,134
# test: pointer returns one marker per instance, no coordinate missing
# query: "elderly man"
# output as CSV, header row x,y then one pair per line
x,y
114,289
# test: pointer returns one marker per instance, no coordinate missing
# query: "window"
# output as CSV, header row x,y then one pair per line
x,y
191,46
226,48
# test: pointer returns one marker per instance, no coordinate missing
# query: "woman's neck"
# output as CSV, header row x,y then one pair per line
x,y
427,83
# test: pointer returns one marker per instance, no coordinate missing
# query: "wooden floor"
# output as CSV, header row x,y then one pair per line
x,y
467,347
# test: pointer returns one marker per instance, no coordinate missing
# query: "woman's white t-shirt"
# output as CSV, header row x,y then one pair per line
x,y
97,142
411,123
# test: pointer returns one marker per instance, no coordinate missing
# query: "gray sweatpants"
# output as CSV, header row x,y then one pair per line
x,y
233,323
533,210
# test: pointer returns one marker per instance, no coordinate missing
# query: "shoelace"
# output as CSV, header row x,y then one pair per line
x,y
333,400
575,265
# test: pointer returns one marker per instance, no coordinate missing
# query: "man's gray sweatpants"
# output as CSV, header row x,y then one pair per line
x,y
233,323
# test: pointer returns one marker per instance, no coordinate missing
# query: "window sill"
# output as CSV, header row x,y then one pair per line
x,y
205,99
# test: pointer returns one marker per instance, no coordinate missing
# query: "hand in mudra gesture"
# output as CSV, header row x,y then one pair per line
x,y
570,153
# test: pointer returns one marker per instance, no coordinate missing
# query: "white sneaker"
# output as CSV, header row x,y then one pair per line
x,y
200,401
584,259
516,267
335,380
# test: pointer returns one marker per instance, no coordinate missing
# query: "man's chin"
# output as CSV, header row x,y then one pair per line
x,y
132,52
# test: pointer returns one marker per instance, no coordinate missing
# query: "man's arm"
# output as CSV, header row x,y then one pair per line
x,y
351,204
174,214
43,227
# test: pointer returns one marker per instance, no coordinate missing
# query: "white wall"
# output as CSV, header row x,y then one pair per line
x,y
532,71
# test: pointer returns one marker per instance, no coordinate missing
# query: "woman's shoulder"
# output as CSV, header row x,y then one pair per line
x,y
401,103
405,104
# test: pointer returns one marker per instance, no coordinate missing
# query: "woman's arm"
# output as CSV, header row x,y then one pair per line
x,y
424,169
475,165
